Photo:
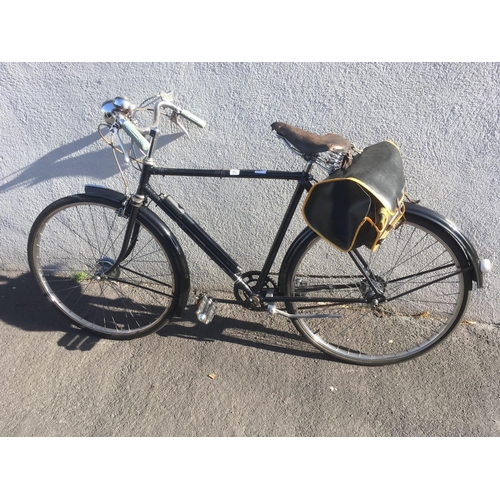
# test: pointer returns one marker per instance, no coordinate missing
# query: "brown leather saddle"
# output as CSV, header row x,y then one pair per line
x,y
310,144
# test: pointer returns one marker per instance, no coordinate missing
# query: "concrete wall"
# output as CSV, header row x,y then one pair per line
x,y
443,116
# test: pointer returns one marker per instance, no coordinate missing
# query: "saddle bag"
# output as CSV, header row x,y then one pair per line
x,y
361,204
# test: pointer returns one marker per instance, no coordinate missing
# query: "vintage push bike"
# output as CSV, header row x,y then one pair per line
x,y
113,266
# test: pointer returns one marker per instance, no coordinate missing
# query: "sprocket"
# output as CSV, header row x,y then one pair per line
x,y
250,278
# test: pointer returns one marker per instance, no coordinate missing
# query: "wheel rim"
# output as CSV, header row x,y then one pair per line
x,y
75,246
403,326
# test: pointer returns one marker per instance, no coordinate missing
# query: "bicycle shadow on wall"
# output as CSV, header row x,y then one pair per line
x,y
24,307
71,160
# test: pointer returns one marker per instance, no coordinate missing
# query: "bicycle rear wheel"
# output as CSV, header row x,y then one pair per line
x,y
75,241
419,270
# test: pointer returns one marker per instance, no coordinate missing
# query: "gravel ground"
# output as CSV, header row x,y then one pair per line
x,y
245,374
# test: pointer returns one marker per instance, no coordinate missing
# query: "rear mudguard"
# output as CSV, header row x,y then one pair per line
x,y
467,247
169,239
411,208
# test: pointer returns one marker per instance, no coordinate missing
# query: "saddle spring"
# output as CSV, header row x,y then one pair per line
x,y
331,162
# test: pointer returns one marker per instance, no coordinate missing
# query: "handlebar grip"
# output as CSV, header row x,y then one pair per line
x,y
133,132
192,118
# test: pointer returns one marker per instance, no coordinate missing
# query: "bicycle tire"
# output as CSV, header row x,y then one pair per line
x,y
419,311
71,245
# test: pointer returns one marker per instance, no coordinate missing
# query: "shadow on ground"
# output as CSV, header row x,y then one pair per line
x,y
24,307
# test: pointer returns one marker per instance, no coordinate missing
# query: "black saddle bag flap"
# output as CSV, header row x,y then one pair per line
x,y
361,204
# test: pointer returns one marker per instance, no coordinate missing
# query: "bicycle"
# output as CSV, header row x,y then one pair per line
x,y
113,267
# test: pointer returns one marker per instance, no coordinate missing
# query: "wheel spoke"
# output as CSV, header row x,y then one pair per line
x,y
418,268
75,244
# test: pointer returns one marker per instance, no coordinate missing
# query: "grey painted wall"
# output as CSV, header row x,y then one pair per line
x,y
444,117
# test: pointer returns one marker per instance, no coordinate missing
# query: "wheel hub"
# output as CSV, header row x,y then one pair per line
x,y
373,291
103,265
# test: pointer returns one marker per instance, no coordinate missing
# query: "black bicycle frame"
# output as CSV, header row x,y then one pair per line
x,y
177,213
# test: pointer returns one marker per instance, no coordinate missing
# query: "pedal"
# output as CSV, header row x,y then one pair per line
x,y
205,309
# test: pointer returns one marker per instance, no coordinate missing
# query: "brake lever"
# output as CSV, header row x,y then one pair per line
x,y
175,119
116,136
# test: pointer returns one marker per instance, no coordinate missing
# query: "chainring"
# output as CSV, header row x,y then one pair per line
x,y
250,279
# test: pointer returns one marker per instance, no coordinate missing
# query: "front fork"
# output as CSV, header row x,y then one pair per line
x,y
131,233
136,202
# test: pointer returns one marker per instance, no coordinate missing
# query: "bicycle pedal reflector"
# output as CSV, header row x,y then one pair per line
x,y
205,309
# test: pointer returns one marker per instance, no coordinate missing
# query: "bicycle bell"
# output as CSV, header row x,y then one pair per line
x,y
123,105
107,111
118,104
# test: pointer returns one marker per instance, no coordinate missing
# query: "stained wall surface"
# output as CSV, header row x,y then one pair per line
x,y
444,117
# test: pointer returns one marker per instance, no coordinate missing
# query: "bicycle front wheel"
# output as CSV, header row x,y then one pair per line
x,y
72,245
419,269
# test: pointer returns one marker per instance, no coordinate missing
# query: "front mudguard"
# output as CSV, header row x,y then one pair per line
x,y
169,239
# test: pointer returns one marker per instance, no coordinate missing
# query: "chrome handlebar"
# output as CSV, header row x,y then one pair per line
x,y
120,112
121,107
177,111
